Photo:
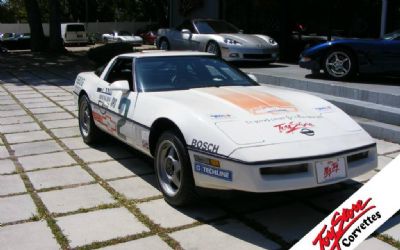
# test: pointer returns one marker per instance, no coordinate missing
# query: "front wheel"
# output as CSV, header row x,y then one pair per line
x,y
173,169
213,48
339,64
164,44
89,131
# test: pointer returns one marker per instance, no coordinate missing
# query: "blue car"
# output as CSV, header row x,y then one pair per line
x,y
343,59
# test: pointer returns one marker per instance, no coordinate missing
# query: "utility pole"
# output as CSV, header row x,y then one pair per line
x,y
383,17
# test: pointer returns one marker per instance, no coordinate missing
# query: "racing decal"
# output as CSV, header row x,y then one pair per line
x,y
359,216
257,103
78,84
324,109
106,121
113,102
285,118
106,91
291,127
213,172
205,146
123,106
220,116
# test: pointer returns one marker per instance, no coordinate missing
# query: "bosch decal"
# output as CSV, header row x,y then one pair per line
x,y
205,146
331,236
213,172
106,91
291,127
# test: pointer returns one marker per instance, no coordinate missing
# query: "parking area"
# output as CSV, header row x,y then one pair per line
x,y
57,192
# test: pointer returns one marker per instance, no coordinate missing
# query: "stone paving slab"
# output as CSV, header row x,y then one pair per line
x,y
6,167
67,103
62,98
230,235
121,168
61,123
71,108
11,184
59,177
394,155
365,177
12,113
27,136
3,152
27,95
14,106
5,101
53,116
25,236
136,187
15,120
45,110
92,155
167,216
20,128
32,148
16,208
66,132
39,105
385,147
148,243
75,143
291,222
46,161
391,228
72,199
383,161
373,243
34,100
60,93
102,225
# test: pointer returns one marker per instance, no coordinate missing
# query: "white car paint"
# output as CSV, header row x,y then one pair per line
x,y
248,129
124,38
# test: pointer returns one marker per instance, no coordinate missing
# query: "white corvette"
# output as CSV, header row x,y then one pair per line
x,y
208,124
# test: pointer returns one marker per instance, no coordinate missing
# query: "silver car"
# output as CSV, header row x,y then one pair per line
x,y
220,38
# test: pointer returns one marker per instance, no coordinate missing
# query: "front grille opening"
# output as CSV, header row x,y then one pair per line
x,y
357,157
285,170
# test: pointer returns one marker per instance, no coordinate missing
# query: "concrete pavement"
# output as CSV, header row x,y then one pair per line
x,y
75,196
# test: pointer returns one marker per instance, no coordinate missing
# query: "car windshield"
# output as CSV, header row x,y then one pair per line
x,y
392,36
75,27
215,27
186,72
124,33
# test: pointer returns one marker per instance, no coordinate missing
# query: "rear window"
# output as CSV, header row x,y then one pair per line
x,y
75,27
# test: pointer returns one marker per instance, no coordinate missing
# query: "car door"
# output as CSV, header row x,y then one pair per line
x,y
116,107
392,55
182,36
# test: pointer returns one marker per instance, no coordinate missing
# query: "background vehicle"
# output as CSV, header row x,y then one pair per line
x,y
219,38
342,59
122,37
208,124
149,37
73,33
15,41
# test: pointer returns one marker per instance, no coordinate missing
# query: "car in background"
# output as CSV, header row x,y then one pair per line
x,y
219,38
344,58
74,34
15,41
121,37
208,124
149,37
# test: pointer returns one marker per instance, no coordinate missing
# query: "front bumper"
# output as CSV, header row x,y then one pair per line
x,y
233,175
250,54
309,64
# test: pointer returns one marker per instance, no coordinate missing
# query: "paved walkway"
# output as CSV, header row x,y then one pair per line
x,y
57,192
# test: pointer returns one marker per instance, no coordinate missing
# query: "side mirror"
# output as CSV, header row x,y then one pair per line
x,y
252,77
121,85
186,31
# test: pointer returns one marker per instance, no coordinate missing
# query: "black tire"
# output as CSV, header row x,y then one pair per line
x,y
339,64
213,48
184,194
164,44
89,131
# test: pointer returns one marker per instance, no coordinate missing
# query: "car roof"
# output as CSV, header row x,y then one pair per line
x,y
157,53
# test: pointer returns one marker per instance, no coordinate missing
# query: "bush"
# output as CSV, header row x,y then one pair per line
x,y
102,54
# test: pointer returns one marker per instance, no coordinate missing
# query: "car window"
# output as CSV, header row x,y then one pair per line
x,y
215,27
186,72
121,70
75,27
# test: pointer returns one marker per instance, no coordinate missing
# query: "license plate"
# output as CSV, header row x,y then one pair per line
x,y
331,170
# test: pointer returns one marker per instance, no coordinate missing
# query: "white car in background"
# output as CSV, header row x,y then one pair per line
x,y
207,124
122,37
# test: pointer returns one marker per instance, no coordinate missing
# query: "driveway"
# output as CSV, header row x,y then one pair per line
x,y
57,192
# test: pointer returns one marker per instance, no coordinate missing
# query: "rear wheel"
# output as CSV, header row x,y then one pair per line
x,y
213,48
339,64
89,131
173,169
164,44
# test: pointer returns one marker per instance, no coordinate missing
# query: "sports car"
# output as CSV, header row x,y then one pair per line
x,y
219,38
207,124
344,58
122,37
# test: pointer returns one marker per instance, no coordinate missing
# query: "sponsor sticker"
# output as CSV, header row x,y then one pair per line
x,y
324,109
221,116
205,146
291,127
331,170
213,172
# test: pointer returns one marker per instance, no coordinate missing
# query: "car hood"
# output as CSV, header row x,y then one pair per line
x,y
247,39
265,115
